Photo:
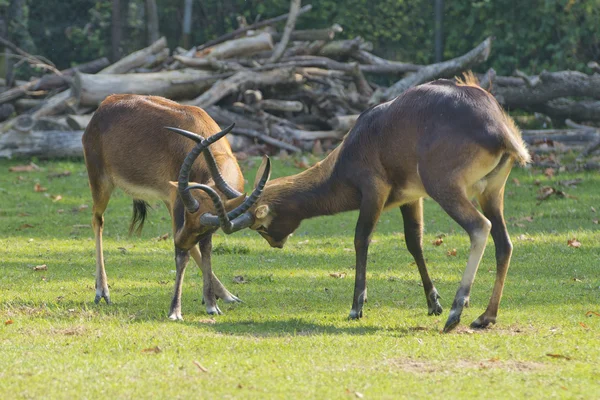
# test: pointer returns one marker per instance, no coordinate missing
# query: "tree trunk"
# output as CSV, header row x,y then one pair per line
x,y
152,26
90,90
116,30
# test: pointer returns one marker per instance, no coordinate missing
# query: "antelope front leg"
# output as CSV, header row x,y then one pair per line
x,y
218,288
181,259
208,279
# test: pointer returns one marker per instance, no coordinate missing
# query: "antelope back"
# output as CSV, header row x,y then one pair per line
x,y
128,145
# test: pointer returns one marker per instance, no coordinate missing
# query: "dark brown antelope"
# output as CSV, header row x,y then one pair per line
x,y
126,146
443,140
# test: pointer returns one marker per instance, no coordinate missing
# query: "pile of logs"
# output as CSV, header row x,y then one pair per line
x,y
293,91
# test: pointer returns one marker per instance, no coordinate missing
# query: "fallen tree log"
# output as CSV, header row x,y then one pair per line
x,y
242,47
444,69
343,122
310,35
90,90
244,80
52,81
43,144
287,31
342,48
79,122
551,85
560,135
584,110
280,105
137,59
266,139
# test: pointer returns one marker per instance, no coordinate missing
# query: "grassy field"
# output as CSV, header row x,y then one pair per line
x,y
290,338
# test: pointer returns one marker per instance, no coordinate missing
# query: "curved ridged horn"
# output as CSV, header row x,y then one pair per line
x,y
184,173
238,218
220,182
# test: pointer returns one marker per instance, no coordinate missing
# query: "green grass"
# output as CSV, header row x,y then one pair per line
x,y
290,338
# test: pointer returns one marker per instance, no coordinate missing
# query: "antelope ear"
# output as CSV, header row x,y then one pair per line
x,y
262,211
261,170
234,203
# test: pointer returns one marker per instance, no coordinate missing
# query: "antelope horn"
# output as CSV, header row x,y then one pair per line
x,y
184,173
238,218
220,182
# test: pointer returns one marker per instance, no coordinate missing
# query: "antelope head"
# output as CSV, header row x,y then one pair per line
x,y
205,211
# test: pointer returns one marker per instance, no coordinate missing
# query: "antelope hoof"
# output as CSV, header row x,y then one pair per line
x,y
102,295
483,322
229,298
453,321
214,310
355,314
175,316
435,308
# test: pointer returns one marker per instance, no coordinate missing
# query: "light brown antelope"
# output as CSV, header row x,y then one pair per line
x,y
443,140
126,146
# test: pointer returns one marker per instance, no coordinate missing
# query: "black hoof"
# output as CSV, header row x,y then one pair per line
x,y
482,322
100,297
452,323
435,308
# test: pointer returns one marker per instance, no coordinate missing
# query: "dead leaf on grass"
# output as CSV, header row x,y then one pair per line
x,y
207,321
451,253
24,168
338,275
154,350
23,214
39,188
162,237
9,322
437,242
584,326
577,280
42,267
595,221
516,182
558,356
25,226
200,367
239,279
549,172
590,313
574,243
56,197
593,209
